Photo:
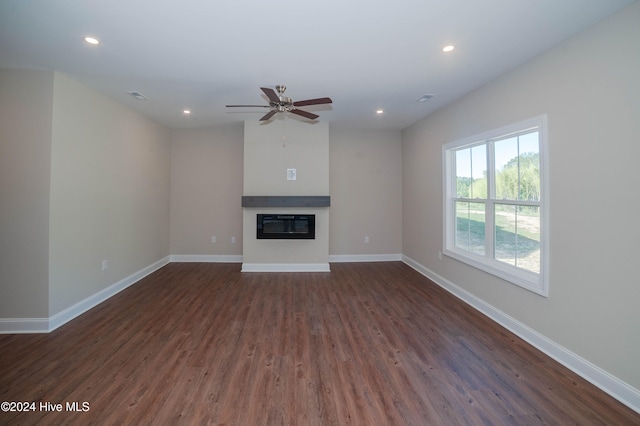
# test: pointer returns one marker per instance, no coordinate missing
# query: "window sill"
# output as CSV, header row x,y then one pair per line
x,y
525,279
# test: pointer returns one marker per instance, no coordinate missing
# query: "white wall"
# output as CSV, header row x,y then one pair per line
x,y
269,150
365,174
206,190
366,192
267,156
589,88
26,102
109,193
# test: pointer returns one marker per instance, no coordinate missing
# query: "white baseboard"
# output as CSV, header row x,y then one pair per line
x,y
84,305
285,267
47,325
24,325
338,258
610,384
207,258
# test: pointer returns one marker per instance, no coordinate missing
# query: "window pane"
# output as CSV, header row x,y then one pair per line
x,y
471,172
517,236
505,234
463,173
479,171
529,149
517,163
506,161
528,238
470,227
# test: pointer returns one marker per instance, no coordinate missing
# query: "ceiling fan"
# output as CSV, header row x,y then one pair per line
x,y
278,102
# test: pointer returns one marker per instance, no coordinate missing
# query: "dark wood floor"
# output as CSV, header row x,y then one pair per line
x,y
367,344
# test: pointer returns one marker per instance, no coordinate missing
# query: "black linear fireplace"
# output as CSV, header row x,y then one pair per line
x,y
286,226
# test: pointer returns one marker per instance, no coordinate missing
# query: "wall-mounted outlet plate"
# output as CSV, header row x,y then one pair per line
x,y
291,174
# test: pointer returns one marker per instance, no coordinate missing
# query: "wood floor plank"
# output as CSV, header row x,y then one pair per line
x,y
364,344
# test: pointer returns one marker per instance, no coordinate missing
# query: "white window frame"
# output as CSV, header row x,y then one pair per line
x,y
537,283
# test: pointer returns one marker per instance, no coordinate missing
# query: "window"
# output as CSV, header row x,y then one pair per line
x,y
495,209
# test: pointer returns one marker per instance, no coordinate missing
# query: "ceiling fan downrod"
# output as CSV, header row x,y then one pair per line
x,y
286,103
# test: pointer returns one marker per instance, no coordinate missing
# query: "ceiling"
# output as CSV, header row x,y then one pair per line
x,y
364,54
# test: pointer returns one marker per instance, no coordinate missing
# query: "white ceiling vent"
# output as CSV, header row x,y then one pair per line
x,y
425,97
139,96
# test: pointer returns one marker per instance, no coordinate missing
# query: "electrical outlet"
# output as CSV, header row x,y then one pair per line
x,y
213,239
233,240
105,265
366,239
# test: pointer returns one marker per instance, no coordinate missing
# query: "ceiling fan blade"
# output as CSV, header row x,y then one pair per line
x,y
317,101
304,114
271,94
247,106
269,115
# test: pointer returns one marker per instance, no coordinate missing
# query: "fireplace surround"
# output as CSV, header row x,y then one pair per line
x,y
266,190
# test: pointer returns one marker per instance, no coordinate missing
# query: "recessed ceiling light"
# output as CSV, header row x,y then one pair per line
x,y
448,48
186,112
92,40
380,111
